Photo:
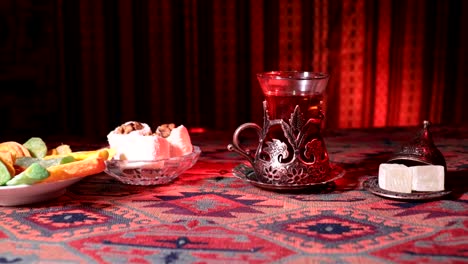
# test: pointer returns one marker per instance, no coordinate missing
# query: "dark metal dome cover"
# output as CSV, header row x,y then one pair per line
x,y
419,151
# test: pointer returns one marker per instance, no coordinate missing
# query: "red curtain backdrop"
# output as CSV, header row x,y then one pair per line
x,y
193,62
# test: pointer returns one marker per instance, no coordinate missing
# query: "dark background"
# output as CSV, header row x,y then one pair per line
x,y
80,68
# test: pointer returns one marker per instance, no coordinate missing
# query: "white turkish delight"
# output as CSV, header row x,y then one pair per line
x,y
179,141
428,178
138,147
395,178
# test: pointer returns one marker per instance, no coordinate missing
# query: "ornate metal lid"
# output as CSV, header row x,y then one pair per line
x,y
419,151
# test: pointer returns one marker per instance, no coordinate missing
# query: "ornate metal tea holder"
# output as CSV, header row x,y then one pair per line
x,y
299,162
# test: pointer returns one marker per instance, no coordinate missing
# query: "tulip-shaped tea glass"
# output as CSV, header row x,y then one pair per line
x,y
291,150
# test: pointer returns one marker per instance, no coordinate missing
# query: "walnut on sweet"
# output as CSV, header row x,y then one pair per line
x,y
164,130
129,127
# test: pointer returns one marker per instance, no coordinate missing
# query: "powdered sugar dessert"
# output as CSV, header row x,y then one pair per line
x,y
135,141
406,179
178,138
150,157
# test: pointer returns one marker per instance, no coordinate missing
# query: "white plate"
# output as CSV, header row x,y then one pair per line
x,y
28,194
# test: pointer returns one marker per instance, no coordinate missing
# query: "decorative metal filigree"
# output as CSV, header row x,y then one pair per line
x,y
301,158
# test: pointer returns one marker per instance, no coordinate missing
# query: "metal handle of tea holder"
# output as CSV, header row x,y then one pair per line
x,y
235,146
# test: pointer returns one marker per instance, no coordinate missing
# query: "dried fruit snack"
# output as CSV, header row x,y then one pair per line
x,y
24,162
4,174
29,163
15,148
36,146
33,174
75,169
9,160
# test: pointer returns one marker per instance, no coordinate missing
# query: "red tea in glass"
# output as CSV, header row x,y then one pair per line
x,y
281,106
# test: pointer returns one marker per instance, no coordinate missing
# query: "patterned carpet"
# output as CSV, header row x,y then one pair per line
x,y
210,216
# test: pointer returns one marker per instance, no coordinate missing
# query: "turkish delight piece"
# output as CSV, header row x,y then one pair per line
x,y
180,143
137,147
395,178
428,178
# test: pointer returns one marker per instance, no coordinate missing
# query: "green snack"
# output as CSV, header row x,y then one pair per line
x,y
58,161
36,146
25,162
4,174
31,175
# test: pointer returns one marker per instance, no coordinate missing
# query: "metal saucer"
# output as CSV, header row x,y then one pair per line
x,y
372,185
247,174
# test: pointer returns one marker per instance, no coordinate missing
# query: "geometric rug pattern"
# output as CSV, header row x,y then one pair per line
x,y
208,215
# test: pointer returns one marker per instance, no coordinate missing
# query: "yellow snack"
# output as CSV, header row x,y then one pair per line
x,y
51,152
15,148
63,149
75,169
81,155
100,153
59,150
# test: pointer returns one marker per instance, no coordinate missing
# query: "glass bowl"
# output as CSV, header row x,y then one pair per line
x,y
155,172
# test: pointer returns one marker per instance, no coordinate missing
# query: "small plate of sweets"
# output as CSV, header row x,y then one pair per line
x,y
415,172
32,173
144,157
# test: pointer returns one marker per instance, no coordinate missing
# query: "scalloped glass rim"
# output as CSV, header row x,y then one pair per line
x,y
155,172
